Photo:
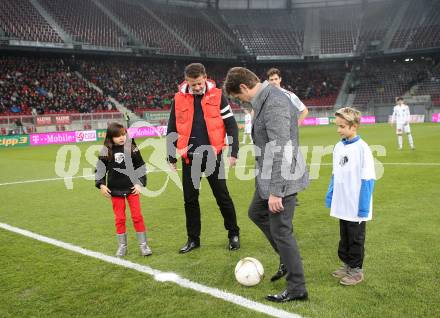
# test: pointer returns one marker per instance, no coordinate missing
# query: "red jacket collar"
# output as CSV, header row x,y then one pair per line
x,y
183,87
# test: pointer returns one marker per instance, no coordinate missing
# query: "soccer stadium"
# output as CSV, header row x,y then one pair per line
x,y
300,118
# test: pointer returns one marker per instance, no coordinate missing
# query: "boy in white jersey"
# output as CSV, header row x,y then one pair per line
x,y
349,195
247,125
401,118
274,77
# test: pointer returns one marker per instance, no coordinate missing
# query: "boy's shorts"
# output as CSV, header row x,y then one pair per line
x,y
402,128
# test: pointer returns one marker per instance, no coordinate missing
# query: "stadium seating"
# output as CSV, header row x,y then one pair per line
x,y
195,29
413,19
20,20
137,84
268,32
86,23
273,32
316,87
376,21
381,82
430,86
427,35
339,29
145,27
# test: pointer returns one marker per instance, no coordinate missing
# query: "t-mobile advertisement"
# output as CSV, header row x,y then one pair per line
x,y
53,138
436,118
91,135
62,137
315,121
368,120
148,131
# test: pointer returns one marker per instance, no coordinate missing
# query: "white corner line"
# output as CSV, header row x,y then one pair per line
x,y
158,275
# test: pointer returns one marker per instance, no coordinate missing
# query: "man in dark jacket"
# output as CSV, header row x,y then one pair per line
x,y
199,120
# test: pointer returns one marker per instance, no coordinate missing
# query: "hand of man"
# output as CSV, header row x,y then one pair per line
x,y
275,204
173,167
105,191
232,161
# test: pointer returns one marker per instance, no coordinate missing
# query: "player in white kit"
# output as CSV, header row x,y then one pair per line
x,y
401,118
274,77
247,125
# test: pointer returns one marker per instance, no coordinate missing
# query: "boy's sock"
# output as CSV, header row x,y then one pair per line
x,y
400,141
411,141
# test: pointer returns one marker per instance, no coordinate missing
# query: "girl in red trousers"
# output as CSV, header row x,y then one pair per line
x,y
121,163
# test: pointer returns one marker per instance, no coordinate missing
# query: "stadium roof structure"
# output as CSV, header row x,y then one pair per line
x,y
262,4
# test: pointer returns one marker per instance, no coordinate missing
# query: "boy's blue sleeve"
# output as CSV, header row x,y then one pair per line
x,y
329,196
367,188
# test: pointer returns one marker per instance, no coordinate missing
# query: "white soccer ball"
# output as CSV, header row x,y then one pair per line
x,y
249,271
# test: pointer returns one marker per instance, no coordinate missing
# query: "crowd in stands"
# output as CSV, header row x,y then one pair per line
x,y
50,86
45,85
136,84
313,85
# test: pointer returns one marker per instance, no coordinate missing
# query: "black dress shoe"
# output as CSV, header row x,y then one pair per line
x,y
189,246
285,296
282,270
234,243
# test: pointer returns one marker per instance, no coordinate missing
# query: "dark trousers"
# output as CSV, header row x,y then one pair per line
x,y
351,245
278,229
191,176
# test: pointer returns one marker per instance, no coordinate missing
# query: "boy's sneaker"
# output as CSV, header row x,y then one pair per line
x,y
341,272
354,277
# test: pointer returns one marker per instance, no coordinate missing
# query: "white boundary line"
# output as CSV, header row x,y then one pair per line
x,y
158,275
422,164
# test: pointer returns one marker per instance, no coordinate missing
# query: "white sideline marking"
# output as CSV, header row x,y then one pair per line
x,y
158,275
239,166
41,180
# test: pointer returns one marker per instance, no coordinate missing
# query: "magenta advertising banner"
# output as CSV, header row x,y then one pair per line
x,y
368,119
86,135
149,131
66,137
322,121
313,121
309,121
436,118
53,138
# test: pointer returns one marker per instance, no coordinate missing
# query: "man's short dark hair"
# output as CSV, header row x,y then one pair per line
x,y
273,71
237,76
195,70
399,98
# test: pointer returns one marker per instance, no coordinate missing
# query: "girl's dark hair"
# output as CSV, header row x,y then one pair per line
x,y
113,130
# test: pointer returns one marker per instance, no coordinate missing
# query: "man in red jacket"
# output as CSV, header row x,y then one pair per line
x,y
201,118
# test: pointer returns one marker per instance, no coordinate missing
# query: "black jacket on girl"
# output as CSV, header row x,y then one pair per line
x,y
120,169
